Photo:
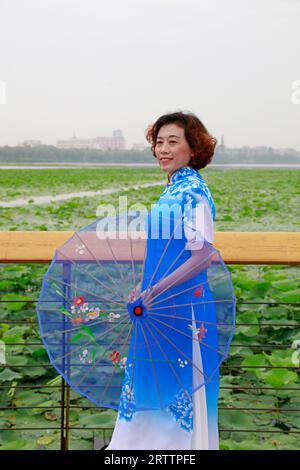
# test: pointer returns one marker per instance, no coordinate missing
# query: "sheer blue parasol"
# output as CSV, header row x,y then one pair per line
x,y
114,335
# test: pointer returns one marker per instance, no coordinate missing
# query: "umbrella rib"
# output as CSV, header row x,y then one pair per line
x,y
110,309
144,263
97,261
77,266
115,260
102,355
58,291
188,319
177,349
163,253
90,342
112,375
84,290
186,290
53,333
185,334
195,303
132,263
175,258
174,261
168,362
180,277
133,367
153,367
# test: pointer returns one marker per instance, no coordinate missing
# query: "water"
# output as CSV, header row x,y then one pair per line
x,y
63,197
295,166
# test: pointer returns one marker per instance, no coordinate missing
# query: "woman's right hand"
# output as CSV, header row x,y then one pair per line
x,y
134,293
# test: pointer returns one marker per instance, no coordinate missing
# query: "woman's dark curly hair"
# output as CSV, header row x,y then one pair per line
x,y
199,139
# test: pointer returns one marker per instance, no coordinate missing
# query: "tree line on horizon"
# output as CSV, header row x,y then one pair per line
x,y
50,154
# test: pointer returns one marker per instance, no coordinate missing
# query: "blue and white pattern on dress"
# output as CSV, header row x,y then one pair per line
x,y
182,411
188,187
127,405
181,422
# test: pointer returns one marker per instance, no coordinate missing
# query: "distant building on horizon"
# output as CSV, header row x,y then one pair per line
x,y
139,147
222,144
30,143
114,142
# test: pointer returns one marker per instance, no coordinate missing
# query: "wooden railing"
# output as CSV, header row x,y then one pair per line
x,y
235,248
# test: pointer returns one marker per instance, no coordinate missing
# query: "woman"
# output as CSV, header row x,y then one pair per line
x,y
177,386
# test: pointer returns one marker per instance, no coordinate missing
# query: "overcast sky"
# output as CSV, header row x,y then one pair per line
x,y
91,66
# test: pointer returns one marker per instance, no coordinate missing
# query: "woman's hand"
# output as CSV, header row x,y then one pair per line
x,y
134,293
149,295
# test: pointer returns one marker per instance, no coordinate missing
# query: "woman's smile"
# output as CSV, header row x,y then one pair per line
x,y
172,148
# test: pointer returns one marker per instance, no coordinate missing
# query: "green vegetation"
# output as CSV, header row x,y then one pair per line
x,y
245,200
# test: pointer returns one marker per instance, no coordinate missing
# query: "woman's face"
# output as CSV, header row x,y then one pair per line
x,y
171,148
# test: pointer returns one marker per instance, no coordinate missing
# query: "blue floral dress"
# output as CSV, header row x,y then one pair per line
x,y
170,419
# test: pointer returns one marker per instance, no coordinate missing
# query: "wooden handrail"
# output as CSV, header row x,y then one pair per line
x,y
234,247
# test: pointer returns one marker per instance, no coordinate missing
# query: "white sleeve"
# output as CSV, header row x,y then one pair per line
x,y
198,225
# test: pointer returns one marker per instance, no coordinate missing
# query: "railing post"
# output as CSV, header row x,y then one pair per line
x,y
63,443
64,416
65,404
